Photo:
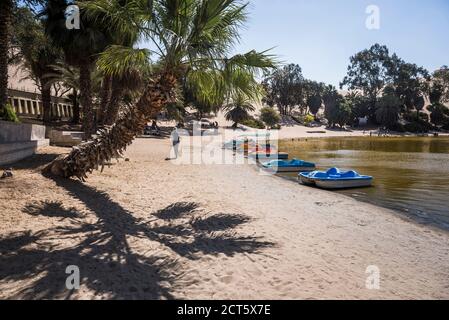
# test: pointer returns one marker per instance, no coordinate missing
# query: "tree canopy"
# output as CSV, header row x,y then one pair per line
x,y
369,72
284,88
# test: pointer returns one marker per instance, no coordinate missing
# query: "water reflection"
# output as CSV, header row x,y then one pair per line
x,y
411,174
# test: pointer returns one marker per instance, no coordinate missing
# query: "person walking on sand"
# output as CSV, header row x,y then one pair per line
x,y
176,140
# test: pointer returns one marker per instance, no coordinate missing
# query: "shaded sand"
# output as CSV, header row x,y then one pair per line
x,y
150,229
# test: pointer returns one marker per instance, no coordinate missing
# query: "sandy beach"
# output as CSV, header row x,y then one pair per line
x,y
151,229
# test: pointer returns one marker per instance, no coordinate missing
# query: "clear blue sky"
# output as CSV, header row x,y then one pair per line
x,y
321,35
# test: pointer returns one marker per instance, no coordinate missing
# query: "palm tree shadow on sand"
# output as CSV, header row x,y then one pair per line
x,y
109,267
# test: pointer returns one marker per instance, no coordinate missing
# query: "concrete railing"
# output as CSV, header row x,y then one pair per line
x,y
16,132
30,104
64,138
18,141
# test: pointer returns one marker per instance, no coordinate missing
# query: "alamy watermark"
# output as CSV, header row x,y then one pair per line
x,y
72,282
372,22
373,279
200,146
72,17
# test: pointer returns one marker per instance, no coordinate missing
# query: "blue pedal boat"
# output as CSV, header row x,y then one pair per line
x,y
294,165
335,179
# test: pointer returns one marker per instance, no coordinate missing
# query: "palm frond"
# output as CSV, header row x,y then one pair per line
x,y
117,60
124,19
62,73
253,61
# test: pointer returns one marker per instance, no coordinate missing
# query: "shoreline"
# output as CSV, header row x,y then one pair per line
x,y
403,214
405,217
195,241
302,132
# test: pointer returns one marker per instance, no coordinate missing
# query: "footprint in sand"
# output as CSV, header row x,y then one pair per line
x,y
226,279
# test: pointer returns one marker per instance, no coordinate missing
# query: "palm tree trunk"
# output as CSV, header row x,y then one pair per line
x,y
112,141
76,107
86,100
106,88
114,104
46,103
5,24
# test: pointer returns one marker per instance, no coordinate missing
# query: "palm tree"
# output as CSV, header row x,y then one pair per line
x,y
6,17
35,53
115,87
6,8
193,39
70,79
105,98
238,110
81,48
127,83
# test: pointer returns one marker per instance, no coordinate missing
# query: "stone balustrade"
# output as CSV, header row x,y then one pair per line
x,y
30,104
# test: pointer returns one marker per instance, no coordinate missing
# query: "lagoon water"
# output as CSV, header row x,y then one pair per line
x,y
411,174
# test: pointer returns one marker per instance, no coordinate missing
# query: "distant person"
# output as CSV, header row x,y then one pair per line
x,y
155,128
176,140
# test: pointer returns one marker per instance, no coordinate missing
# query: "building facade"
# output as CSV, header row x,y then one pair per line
x,y
25,97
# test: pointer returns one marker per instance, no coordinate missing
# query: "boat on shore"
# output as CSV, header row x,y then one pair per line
x,y
335,179
239,144
267,156
294,165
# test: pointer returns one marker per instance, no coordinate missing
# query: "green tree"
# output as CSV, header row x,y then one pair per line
x,y
419,102
439,86
438,95
238,110
115,88
69,77
81,48
410,82
330,100
127,83
341,113
270,116
35,52
314,93
192,39
369,72
6,19
200,102
6,9
439,114
388,110
314,103
360,106
175,112
285,88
